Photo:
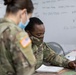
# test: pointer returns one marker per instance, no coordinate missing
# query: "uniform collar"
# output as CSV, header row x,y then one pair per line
x,y
9,20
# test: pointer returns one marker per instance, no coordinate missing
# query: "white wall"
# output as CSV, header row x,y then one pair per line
x,y
2,9
59,17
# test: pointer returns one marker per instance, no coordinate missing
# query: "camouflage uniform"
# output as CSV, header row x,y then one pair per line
x,y
44,53
16,56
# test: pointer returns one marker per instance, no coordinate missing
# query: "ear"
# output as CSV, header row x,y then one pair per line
x,y
28,33
23,12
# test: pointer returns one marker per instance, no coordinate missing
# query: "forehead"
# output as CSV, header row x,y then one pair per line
x,y
39,28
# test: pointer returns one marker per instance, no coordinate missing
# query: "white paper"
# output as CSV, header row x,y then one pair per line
x,y
44,68
71,56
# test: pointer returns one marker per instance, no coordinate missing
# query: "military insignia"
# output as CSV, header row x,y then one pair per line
x,y
25,41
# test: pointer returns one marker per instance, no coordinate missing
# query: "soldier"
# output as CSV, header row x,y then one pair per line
x,y
16,56
42,52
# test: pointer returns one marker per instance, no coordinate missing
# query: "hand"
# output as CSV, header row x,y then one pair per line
x,y
72,64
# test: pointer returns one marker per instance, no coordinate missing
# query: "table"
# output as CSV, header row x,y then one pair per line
x,y
65,72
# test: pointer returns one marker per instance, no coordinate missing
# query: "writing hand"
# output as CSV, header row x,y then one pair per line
x,y
72,65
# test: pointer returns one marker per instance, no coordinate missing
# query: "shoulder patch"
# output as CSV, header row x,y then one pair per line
x,y
25,41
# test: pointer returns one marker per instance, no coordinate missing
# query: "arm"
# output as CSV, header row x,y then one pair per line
x,y
23,57
53,58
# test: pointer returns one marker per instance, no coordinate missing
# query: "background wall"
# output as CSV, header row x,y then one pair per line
x,y
59,17
2,9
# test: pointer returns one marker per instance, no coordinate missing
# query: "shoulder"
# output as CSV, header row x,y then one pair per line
x,y
20,36
12,31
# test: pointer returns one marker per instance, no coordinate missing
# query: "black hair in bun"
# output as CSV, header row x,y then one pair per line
x,y
8,2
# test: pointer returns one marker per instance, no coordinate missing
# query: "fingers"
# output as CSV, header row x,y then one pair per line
x,y
72,65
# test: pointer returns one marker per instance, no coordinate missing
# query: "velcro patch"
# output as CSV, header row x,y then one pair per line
x,y
25,41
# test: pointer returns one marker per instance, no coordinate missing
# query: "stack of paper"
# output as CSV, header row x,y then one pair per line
x,y
54,69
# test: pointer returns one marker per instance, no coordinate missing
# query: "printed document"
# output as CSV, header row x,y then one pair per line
x,y
45,68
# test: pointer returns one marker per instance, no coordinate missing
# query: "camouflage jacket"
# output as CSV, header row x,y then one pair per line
x,y
44,53
16,56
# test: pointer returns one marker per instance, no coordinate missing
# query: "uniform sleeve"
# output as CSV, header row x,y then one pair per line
x,y
22,55
53,58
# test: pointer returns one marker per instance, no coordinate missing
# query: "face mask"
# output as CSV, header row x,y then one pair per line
x,y
40,39
22,26
36,40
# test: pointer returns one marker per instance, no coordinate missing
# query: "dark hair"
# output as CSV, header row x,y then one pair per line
x,y
14,5
33,21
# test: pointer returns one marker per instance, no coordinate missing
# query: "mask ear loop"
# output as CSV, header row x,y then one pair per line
x,y
20,19
27,17
21,23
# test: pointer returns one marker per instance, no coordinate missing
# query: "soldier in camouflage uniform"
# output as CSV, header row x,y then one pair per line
x,y
16,56
42,52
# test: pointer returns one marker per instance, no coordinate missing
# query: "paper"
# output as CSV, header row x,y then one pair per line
x,y
54,69
71,56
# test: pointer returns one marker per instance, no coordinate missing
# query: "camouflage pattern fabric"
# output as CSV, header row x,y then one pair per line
x,y
16,56
44,53
38,51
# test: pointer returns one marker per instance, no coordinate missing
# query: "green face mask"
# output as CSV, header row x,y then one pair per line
x,y
36,40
